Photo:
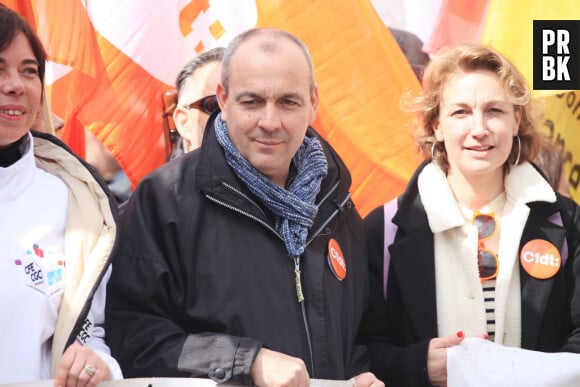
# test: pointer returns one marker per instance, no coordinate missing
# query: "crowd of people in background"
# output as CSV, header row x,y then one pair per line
x,y
243,258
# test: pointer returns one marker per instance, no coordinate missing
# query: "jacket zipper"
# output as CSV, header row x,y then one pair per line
x,y
242,212
297,272
300,295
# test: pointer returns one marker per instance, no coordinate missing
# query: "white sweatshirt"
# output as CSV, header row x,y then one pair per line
x,y
33,219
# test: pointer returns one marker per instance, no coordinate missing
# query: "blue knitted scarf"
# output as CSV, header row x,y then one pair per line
x,y
294,208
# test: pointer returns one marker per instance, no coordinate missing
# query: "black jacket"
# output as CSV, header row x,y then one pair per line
x,y
201,279
399,330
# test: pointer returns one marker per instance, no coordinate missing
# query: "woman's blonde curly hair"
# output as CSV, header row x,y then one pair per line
x,y
467,58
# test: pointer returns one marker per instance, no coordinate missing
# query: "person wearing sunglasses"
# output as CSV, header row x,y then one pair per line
x,y
196,87
479,244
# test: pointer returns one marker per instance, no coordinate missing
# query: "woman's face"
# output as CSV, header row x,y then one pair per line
x,y
20,90
477,123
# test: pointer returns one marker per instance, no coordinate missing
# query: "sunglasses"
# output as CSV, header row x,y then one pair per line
x,y
487,260
208,104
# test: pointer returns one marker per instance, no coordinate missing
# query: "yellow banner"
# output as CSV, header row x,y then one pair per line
x,y
562,123
509,28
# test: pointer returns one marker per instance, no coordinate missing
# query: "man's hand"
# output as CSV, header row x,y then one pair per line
x,y
367,379
275,369
437,357
79,367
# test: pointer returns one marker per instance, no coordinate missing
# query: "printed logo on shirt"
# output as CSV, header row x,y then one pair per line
x,y
86,332
44,270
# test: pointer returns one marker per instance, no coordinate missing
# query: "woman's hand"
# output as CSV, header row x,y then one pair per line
x,y
79,367
437,357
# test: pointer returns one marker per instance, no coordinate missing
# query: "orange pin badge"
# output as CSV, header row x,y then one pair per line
x,y
336,260
540,259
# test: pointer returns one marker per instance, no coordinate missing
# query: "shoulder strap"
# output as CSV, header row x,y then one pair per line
x,y
390,208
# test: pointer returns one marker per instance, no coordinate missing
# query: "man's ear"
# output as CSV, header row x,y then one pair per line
x,y
314,100
183,123
222,97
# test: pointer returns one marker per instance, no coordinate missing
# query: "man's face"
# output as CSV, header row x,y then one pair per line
x,y
191,123
269,104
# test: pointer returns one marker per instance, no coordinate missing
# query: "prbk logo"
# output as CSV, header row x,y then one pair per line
x,y
556,54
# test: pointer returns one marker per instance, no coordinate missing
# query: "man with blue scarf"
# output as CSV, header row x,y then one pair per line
x,y
245,260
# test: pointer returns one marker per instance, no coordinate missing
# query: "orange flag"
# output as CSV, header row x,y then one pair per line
x,y
105,91
24,8
117,59
458,21
361,75
72,45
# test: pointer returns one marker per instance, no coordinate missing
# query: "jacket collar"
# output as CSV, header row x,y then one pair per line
x,y
217,180
524,184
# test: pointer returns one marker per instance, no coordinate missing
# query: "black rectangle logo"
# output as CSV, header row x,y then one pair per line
x,y
556,54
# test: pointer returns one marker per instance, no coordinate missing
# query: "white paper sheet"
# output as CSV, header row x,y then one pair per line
x,y
196,382
176,382
478,362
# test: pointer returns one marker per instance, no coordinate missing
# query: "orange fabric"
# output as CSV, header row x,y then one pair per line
x,y
105,92
74,45
24,8
360,69
125,113
459,21
361,75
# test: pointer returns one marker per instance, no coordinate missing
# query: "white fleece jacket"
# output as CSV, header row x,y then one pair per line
x,y
458,289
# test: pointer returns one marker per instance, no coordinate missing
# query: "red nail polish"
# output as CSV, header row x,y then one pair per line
x,y
485,336
459,334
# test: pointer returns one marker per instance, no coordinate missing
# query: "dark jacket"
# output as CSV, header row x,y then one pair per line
x,y
400,328
202,280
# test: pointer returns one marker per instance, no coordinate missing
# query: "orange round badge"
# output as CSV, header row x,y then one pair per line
x,y
336,260
540,259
